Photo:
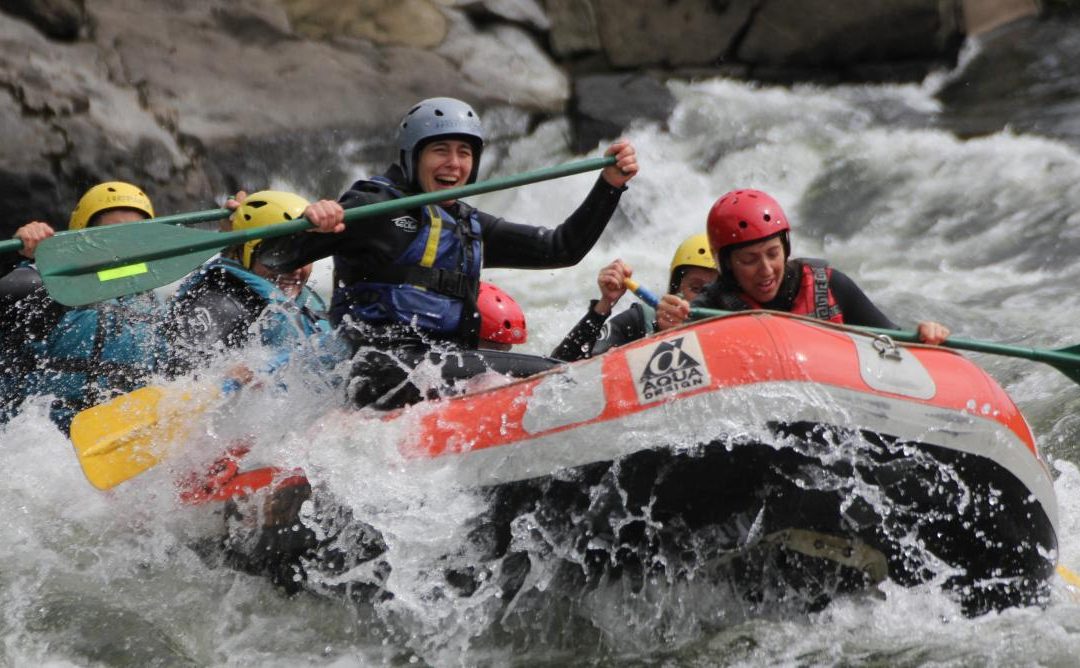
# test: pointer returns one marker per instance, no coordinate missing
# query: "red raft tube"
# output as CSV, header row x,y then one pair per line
x,y
766,448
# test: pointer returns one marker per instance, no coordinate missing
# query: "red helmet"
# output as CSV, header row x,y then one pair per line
x,y
501,319
744,216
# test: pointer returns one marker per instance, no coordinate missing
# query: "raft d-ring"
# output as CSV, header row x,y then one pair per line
x,y
886,348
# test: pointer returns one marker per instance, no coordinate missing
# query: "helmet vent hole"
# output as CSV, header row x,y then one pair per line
x,y
701,251
767,218
743,224
438,112
258,204
288,217
111,189
507,325
247,216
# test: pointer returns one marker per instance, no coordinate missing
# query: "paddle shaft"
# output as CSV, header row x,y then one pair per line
x,y
1052,357
210,215
225,239
1066,360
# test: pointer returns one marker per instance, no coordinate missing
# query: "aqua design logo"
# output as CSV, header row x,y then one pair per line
x,y
668,368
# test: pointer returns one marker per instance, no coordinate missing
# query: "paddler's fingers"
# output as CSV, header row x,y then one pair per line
x,y
612,278
671,311
234,201
612,284
326,215
932,333
31,234
625,166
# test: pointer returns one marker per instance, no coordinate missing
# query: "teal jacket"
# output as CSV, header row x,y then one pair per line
x,y
225,306
79,356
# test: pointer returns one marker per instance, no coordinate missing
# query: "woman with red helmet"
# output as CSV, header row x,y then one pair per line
x,y
748,233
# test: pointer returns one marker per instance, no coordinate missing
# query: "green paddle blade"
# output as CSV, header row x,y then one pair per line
x,y
79,269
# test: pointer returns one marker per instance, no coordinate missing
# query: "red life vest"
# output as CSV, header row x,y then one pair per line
x,y
814,298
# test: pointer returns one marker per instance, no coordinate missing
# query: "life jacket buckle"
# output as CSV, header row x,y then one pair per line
x,y
447,282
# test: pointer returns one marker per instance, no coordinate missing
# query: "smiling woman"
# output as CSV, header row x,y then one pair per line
x,y
406,283
749,236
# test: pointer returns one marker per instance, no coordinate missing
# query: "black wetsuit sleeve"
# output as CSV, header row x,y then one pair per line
x,y
520,246
855,305
579,343
287,253
621,329
8,262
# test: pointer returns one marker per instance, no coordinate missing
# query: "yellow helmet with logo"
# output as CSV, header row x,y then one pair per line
x,y
266,207
694,251
106,196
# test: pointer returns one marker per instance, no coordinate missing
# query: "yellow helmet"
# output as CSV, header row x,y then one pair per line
x,y
109,195
694,251
266,207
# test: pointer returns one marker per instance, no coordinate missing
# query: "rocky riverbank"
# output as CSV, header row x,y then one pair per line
x,y
194,98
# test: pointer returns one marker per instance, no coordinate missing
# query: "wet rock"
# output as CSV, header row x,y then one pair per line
x,y
527,13
507,60
292,94
605,104
59,19
823,33
1012,81
574,28
637,33
417,23
67,126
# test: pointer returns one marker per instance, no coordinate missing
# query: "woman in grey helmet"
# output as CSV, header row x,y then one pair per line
x,y
406,283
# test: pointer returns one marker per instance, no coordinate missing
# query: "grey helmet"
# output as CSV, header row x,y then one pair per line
x,y
437,117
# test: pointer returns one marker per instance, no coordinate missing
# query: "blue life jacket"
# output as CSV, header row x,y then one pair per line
x,y
95,353
431,286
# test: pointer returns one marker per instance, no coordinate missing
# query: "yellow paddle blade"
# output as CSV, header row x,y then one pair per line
x,y
121,438
1069,576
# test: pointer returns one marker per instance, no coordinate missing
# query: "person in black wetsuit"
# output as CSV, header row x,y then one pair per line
x,y
748,234
406,283
692,269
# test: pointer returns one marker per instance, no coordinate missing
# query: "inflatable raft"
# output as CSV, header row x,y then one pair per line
x,y
782,453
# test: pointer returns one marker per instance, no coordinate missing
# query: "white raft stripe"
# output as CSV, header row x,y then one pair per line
x,y
743,411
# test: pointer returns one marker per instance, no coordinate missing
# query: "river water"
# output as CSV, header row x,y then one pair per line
x,y
980,233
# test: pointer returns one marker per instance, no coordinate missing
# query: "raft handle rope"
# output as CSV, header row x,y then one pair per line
x,y
886,348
